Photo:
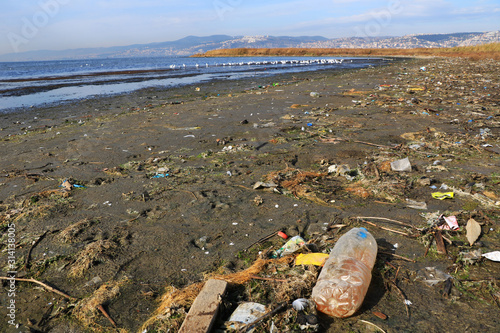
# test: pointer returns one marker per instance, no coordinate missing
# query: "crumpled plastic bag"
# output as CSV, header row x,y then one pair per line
x,y
432,276
494,256
443,195
290,247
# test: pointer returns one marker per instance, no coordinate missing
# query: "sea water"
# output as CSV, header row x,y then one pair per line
x,y
36,83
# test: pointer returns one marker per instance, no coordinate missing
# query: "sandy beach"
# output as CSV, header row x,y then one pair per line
x,y
156,188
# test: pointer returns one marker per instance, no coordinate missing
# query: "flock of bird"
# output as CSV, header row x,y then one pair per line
x,y
269,63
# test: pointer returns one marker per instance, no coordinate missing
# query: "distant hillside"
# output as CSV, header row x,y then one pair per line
x,y
195,45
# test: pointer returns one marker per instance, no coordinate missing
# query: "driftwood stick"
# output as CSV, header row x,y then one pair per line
x,y
372,324
402,295
35,243
106,315
384,228
397,256
372,144
263,239
49,288
333,140
389,220
428,246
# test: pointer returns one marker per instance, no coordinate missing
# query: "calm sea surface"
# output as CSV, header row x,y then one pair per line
x,y
38,83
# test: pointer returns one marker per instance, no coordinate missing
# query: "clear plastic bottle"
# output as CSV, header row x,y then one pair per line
x,y
343,282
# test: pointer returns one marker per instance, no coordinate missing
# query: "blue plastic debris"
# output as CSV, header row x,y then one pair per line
x,y
161,175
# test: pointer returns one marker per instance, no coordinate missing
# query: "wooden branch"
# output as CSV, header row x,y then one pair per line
x,y
372,324
263,239
428,247
372,144
389,220
391,230
49,288
258,320
441,249
402,295
397,256
106,315
35,243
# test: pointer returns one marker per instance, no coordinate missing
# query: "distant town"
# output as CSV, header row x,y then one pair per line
x,y
193,45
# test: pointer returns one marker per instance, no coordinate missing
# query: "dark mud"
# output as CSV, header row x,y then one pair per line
x,y
164,193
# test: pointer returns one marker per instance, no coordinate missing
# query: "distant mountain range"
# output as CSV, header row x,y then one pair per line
x,y
192,44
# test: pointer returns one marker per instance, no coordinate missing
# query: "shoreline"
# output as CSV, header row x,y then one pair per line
x,y
33,91
102,105
161,186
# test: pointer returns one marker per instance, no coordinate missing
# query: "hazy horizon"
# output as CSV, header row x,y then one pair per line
x,y
73,24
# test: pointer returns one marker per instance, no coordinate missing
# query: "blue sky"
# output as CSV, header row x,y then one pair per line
x,y
64,24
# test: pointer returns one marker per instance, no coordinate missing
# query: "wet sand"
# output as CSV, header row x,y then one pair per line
x,y
164,185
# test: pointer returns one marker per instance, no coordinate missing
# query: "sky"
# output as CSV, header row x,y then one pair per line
x,y
68,24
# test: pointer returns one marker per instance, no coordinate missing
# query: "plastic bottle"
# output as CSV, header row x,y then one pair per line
x,y
343,282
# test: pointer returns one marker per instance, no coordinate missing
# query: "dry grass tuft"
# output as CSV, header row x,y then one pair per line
x,y
92,253
486,51
294,180
49,193
86,310
69,234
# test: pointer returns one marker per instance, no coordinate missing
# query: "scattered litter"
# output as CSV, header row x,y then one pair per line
x,y
401,165
317,259
161,175
425,181
416,146
333,168
443,195
484,200
451,223
95,281
470,257
67,185
494,256
381,315
282,235
294,244
246,313
314,94
473,231
416,204
261,185
431,276
300,304
186,128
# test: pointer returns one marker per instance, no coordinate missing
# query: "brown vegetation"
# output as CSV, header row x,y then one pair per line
x,y
92,253
487,51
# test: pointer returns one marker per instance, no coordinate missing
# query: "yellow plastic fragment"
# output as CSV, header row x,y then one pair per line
x,y
442,196
317,259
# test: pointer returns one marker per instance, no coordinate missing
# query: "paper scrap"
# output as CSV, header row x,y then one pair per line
x,y
473,231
